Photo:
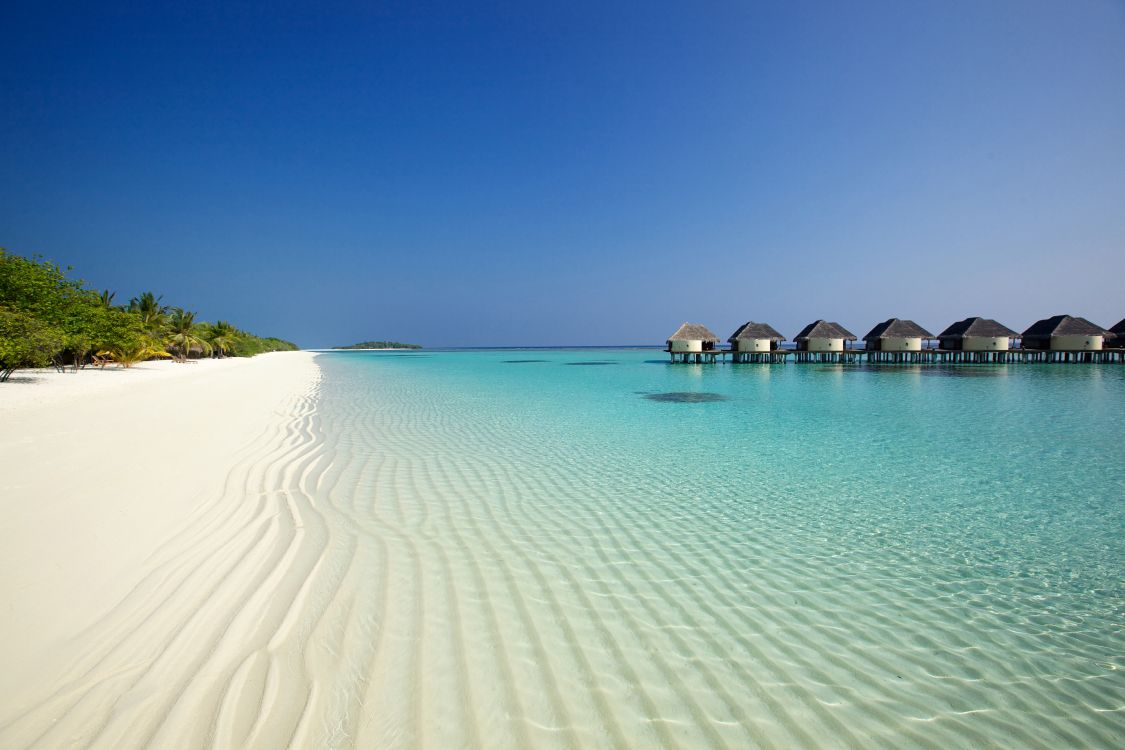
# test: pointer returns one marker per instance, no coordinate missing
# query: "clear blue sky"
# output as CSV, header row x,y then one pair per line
x,y
593,173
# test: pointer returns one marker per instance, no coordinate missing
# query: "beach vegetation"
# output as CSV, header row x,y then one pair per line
x,y
153,315
184,336
88,326
222,337
37,287
48,318
247,345
25,342
40,289
129,355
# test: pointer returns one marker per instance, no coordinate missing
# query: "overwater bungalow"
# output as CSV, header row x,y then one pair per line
x,y
977,340
756,342
896,341
822,336
822,341
692,342
896,335
1064,333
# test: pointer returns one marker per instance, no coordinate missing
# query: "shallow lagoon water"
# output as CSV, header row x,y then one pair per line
x,y
797,555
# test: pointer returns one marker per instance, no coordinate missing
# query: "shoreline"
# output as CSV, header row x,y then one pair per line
x,y
101,470
373,559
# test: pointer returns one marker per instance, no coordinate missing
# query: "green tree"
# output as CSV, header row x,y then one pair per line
x,y
40,289
89,326
115,328
25,342
36,287
248,345
222,337
183,334
153,315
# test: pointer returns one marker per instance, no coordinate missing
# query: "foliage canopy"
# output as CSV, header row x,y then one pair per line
x,y
47,318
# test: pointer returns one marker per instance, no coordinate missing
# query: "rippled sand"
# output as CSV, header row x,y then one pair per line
x,y
401,563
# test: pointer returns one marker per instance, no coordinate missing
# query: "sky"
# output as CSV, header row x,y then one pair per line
x,y
522,173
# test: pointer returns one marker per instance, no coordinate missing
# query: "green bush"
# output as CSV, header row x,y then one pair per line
x,y
25,342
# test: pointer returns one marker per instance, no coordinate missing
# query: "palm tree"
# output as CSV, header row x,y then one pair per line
x,y
128,355
107,298
183,334
153,314
222,337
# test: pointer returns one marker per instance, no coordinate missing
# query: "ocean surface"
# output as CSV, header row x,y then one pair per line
x,y
592,548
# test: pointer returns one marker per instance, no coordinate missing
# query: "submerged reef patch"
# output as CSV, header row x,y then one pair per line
x,y
686,397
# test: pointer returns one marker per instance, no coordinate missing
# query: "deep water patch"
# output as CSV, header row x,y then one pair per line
x,y
520,361
686,397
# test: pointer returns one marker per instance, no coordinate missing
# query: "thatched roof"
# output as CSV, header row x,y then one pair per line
x,y
822,329
752,330
897,328
1064,325
1117,334
983,327
693,332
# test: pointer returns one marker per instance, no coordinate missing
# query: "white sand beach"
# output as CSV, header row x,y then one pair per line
x,y
102,473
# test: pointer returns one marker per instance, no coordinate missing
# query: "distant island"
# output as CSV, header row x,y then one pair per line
x,y
380,345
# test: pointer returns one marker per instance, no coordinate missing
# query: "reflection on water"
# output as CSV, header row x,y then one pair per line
x,y
947,371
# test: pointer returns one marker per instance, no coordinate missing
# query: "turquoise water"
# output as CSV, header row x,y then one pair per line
x,y
560,553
